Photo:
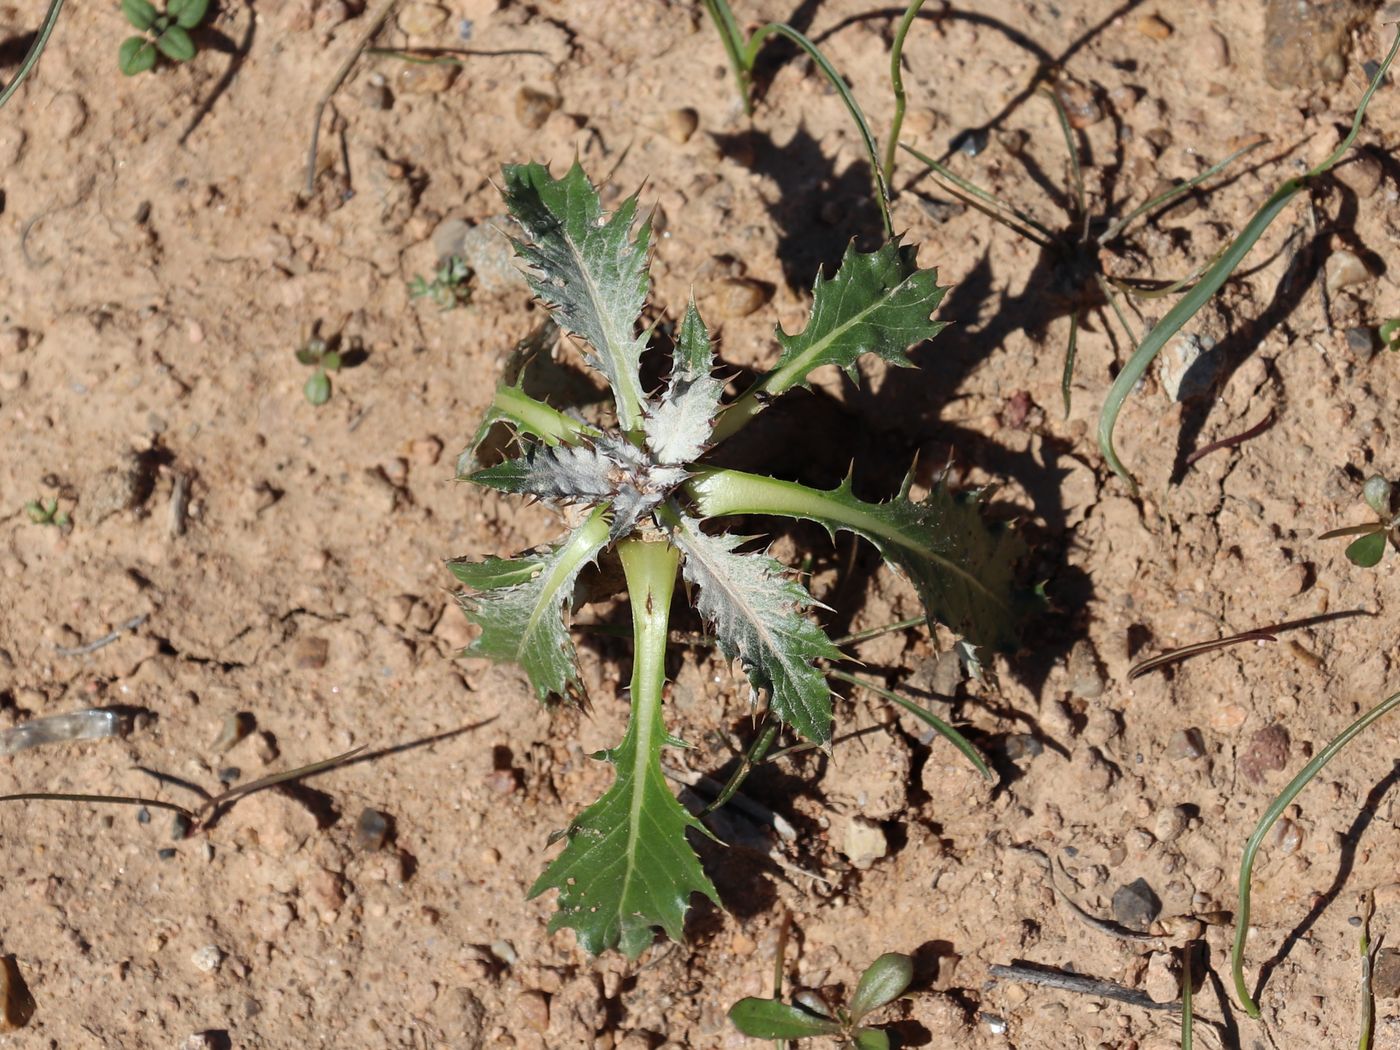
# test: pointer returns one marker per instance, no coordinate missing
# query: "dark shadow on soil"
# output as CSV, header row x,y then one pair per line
x,y
209,38
1350,840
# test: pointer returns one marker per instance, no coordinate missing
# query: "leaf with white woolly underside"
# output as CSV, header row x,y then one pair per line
x,y
567,474
878,303
587,267
758,617
678,426
519,607
618,877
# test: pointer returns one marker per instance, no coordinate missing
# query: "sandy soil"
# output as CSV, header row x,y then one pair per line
x,y
157,271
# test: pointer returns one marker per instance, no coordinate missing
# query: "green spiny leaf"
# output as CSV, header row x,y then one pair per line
x,y
523,622
775,1019
627,867
588,268
678,426
494,573
566,473
878,303
757,613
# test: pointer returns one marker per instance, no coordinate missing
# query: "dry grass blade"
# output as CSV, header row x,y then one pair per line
x,y
1172,656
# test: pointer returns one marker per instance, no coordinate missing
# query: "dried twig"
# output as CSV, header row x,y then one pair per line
x,y
107,639
1238,439
1172,656
1029,973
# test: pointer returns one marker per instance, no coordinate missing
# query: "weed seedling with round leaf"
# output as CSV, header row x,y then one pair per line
x,y
317,354
884,981
1369,546
640,484
162,33
448,288
1389,332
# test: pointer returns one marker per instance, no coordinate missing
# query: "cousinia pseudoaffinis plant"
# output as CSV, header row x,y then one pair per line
x,y
639,486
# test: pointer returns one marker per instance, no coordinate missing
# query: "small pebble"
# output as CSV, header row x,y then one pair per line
x,y
969,142
533,108
1385,977
16,1002
1186,744
1160,982
66,115
740,296
681,124
424,78
421,19
1170,823
864,842
13,380
1363,342
311,653
1266,752
1361,173
236,726
207,959
1085,673
1288,836
1081,108
13,341
534,1009
372,830
1345,270
1136,905
1153,26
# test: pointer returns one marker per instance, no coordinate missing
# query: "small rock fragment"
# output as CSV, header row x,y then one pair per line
x,y
1186,745
1305,44
1085,677
1188,368
13,379
115,490
534,1009
1217,49
66,115
424,78
311,653
325,889
1160,981
207,959
13,341
1385,977
1153,26
1081,108
373,829
422,19
1288,836
16,1002
1345,270
1136,905
1361,173
1171,822
864,842
741,296
1266,752
487,253
681,124
1362,342
533,107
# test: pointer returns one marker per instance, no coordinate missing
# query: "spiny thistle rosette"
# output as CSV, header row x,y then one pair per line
x,y
642,489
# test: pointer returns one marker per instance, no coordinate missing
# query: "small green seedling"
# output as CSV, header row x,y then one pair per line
x,y
448,288
162,33
46,512
1389,332
884,981
318,355
1369,546
640,484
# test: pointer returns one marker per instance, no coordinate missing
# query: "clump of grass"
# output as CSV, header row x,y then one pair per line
x,y
1271,815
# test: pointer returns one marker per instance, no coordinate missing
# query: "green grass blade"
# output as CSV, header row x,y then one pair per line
x,y
1176,191
986,202
939,726
897,84
1188,305
31,58
733,39
1271,815
1188,1019
872,149
1076,173
1067,376
1368,1003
